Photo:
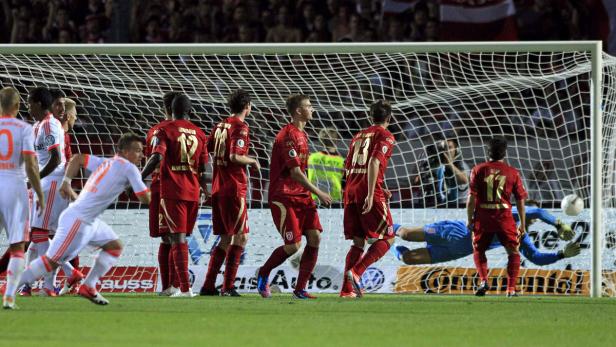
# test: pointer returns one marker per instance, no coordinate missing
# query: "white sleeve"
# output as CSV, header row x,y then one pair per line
x,y
92,162
134,178
27,145
55,136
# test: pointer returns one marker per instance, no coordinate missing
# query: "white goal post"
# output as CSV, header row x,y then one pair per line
x,y
339,77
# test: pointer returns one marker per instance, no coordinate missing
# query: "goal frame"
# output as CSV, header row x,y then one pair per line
x,y
594,47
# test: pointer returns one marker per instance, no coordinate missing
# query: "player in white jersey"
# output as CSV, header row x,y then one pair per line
x,y
49,147
17,161
79,224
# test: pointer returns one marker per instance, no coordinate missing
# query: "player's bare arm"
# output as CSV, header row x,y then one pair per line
x,y
470,210
245,160
203,181
151,165
52,164
298,176
373,171
32,170
521,204
77,162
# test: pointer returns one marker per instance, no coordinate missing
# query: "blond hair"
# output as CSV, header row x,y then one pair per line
x,y
69,104
9,99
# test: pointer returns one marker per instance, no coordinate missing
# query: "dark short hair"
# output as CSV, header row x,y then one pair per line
x,y
238,100
497,148
294,101
380,111
42,96
168,100
56,94
127,139
181,105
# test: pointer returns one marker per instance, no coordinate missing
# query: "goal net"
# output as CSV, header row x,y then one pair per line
x,y
539,98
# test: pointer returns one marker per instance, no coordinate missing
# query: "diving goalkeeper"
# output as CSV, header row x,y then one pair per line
x,y
450,240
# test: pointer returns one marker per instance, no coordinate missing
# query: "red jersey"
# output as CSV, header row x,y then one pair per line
x,y
182,145
67,147
290,150
229,137
492,184
373,142
150,141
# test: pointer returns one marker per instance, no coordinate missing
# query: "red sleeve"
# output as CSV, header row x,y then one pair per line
x,y
289,152
383,148
518,187
239,141
159,142
473,185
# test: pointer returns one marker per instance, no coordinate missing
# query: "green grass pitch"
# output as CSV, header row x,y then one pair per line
x,y
375,320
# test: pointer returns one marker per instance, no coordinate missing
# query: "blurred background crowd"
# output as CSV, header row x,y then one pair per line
x,y
158,21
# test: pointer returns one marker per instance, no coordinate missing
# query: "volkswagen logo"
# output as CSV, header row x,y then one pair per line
x,y
373,279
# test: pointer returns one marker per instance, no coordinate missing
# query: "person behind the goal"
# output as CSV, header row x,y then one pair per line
x,y
228,144
293,210
17,161
79,224
366,211
157,226
180,148
489,213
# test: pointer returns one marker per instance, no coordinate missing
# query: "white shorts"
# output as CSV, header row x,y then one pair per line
x,y
74,234
14,209
54,205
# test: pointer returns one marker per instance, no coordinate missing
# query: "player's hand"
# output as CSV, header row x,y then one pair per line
x,y
521,230
67,192
387,193
564,231
40,206
367,204
571,249
256,165
326,200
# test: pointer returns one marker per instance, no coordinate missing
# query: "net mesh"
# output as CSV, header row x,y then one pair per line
x,y
539,101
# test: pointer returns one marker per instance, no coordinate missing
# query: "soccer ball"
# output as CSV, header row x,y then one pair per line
x,y
572,205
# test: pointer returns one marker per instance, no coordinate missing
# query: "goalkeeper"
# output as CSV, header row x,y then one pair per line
x,y
325,168
450,240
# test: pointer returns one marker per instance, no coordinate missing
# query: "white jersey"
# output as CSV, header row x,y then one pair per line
x,y
49,134
16,139
109,178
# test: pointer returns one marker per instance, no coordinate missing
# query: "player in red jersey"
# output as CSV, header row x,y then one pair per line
x,y
366,211
156,220
228,143
293,210
180,150
489,213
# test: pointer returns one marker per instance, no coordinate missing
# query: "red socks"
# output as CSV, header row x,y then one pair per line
x,y
306,266
278,257
374,253
352,258
163,263
217,257
234,253
513,269
180,260
481,264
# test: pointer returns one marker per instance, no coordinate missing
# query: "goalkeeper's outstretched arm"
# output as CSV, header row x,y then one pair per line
x,y
535,256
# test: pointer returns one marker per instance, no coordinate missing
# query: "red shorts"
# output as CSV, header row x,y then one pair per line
x,y
158,227
179,215
376,224
293,220
229,215
508,235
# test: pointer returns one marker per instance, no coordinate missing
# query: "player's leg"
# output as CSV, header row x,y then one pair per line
x,y
288,226
510,239
481,241
219,252
307,263
380,227
416,256
180,217
413,234
239,229
352,231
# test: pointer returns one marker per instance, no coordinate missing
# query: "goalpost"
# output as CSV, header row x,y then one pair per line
x,y
553,100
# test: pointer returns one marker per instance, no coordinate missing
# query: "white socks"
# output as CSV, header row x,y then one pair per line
x,y
14,271
104,262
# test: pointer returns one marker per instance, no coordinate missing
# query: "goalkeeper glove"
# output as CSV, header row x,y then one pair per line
x,y
571,250
564,231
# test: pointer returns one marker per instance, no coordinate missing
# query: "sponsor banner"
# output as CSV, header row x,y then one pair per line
x,y
325,279
120,279
450,280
